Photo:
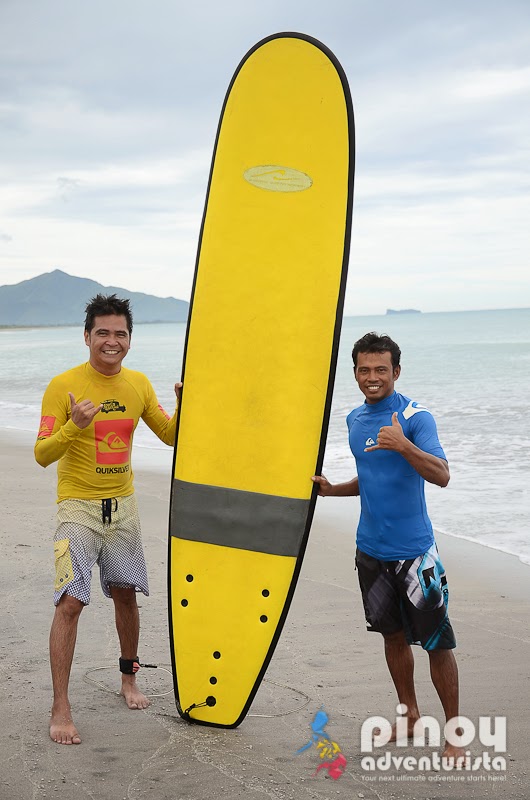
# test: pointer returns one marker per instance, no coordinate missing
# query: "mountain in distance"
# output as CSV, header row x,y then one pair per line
x,y
56,298
403,311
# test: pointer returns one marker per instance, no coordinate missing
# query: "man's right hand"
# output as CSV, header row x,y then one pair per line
x,y
84,412
325,488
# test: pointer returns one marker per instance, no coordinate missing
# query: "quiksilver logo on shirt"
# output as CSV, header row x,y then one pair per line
x,y
369,442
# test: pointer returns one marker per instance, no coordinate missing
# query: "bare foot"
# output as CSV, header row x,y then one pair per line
x,y
380,737
453,756
134,698
62,728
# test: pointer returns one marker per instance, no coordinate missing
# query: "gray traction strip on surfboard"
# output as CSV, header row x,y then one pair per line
x,y
262,523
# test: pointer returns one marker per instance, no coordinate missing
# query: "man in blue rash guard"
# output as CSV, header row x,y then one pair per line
x,y
402,580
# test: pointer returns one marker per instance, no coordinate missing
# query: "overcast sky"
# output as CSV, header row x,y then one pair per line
x,y
108,115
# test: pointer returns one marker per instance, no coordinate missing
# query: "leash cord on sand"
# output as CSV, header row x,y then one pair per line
x,y
284,713
104,688
112,691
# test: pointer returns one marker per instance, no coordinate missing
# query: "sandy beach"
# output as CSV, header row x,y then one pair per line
x,y
325,658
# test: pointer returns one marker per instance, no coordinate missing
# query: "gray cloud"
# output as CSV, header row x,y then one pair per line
x,y
109,112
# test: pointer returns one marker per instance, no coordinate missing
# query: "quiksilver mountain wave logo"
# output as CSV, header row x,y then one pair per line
x,y
113,440
369,442
46,427
112,443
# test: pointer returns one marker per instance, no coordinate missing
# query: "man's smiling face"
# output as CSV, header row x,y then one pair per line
x,y
109,342
375,375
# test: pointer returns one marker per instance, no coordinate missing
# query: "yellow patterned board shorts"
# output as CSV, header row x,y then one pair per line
x,y
103,532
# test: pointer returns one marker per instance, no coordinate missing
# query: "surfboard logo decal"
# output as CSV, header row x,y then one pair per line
x,y
274,178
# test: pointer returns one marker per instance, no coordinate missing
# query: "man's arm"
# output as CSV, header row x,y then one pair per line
x,y
158,420
327,489
58,430
431,468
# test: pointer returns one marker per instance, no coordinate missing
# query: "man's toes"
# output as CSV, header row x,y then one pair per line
x,y
65,737
139,704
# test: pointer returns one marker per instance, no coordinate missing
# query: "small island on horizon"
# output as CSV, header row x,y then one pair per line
x,y
403,311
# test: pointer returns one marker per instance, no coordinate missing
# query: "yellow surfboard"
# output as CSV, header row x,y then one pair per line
x,y
259,366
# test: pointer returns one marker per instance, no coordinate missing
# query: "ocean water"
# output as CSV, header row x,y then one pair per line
x,y
471,369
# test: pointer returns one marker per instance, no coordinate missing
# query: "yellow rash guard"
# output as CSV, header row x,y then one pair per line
x,y
95,462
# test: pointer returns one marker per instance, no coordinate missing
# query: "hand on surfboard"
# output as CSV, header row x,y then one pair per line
x,y
324,486
178,390
84,412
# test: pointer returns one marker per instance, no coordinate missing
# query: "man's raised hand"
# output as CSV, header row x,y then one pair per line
x,y
390,437
84,412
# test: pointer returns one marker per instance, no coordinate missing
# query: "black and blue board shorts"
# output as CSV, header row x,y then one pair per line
x,y
409,595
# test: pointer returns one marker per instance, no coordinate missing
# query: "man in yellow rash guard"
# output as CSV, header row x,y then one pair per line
x,y
89,415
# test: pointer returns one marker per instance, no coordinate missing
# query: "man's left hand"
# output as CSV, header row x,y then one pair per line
x,y
390,437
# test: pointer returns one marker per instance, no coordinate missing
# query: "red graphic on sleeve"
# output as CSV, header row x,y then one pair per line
x,y
164,412
46,427
113,440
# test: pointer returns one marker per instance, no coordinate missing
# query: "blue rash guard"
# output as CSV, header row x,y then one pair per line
x,y
394,524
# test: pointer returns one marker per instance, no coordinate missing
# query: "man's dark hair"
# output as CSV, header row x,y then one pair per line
x,y
104,305
374,343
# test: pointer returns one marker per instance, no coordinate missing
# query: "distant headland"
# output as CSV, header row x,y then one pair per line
x,y
403,311
56,298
